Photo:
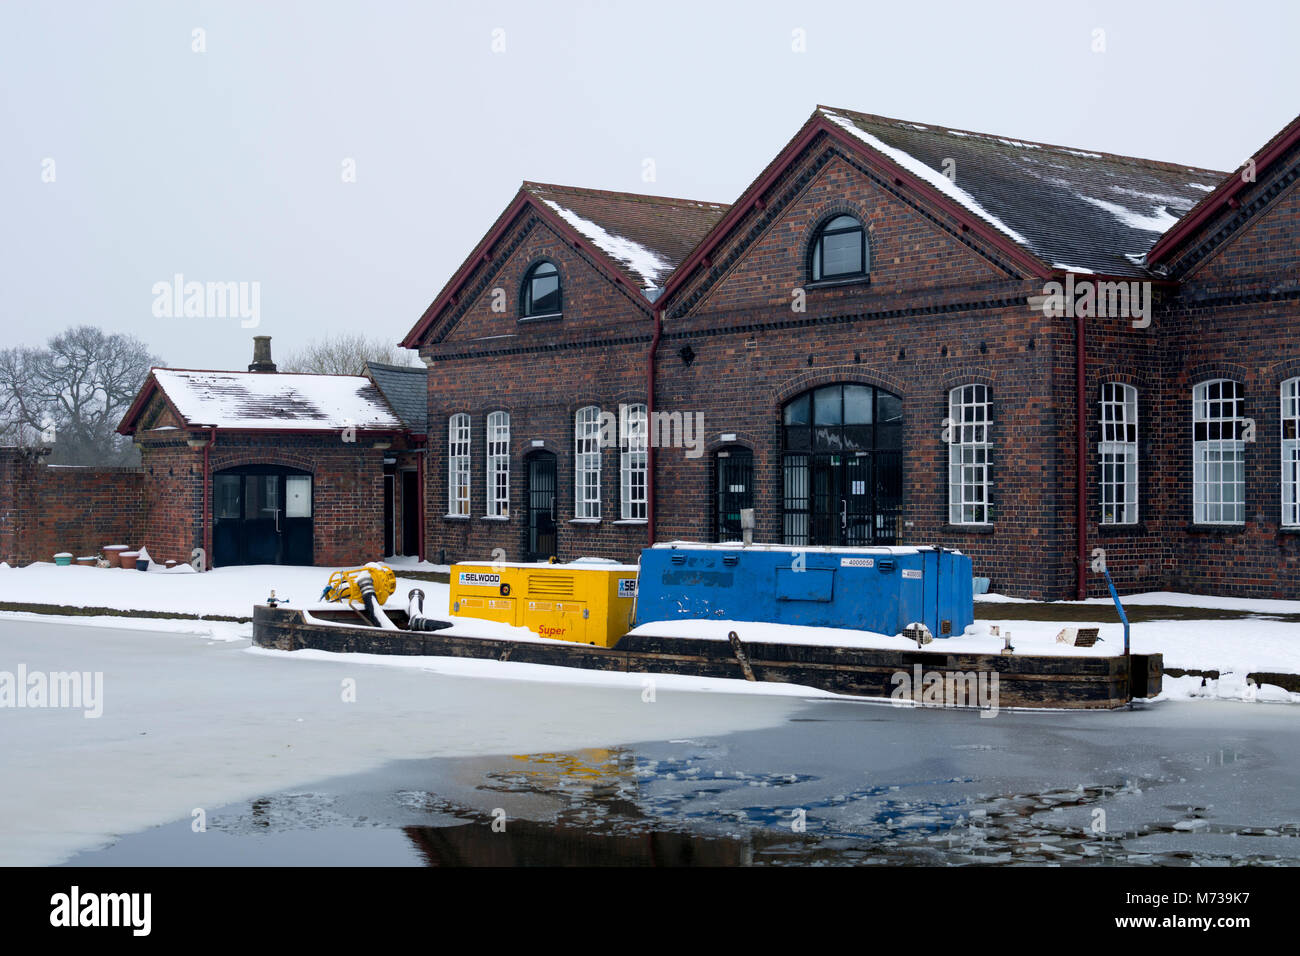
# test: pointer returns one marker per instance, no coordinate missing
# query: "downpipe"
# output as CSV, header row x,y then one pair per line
x,y
650,411
1081,462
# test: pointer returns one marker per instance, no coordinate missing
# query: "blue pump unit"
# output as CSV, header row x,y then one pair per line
x,y
871,589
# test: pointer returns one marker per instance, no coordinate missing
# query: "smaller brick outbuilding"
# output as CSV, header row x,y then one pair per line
x,y
265,467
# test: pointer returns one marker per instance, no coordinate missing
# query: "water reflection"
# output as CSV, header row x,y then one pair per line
x,y
620,808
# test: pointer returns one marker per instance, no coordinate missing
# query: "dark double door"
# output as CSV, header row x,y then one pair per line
x,y
261,515
855,498
540,543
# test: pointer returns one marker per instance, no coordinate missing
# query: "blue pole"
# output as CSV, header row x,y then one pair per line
x,y
1119,607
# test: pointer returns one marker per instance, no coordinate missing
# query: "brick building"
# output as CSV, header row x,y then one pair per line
x,y
264,467
899,333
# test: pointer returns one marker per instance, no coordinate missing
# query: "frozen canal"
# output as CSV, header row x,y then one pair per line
x,y
440,768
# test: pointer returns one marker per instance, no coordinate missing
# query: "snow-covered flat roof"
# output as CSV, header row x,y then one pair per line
x,y
546,565
276,400
825,549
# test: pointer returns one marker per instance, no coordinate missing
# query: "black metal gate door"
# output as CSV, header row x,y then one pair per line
x,y
854,499
541,507
734,491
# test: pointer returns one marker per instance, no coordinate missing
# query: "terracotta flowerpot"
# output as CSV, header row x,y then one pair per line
x,y
128,559
113,554
86,562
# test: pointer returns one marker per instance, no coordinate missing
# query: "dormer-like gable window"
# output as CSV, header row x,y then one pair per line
x,y
540,295
839,251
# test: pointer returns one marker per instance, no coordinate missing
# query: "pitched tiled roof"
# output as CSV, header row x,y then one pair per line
x,y
275,400
646,236
1071,208
1223,198
406,388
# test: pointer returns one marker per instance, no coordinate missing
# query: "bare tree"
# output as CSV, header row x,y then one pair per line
x,y
72,394
346,353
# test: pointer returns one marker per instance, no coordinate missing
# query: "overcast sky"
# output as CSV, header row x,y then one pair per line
x,y
229,164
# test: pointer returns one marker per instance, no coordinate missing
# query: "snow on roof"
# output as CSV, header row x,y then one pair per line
x,y
1158,221
1099,212
270,400
645,236
813,549
647,264
932,176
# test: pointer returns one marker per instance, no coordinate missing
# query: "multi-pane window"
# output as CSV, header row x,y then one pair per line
x,y
541,292
840,250
586,463
634,441
1118,454
1218,453
1291,452
498,465
458,465
970,417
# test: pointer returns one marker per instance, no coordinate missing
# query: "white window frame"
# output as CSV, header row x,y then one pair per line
x,y
498,465
634,441
1290,393
970,413
1117,454
458,477
586,463
1217,500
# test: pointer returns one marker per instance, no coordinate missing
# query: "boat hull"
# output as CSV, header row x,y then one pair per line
x,y
1023,680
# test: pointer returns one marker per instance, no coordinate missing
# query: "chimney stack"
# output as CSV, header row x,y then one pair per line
x,y
262,354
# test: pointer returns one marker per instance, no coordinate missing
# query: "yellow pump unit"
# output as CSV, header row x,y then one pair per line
x,y
346,585
584,603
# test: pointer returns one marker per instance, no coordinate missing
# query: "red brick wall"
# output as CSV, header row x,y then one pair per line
x,y
47,509
347,491
942,308
541,373
1236,315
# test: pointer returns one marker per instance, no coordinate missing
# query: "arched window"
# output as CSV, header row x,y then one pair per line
x,y
586,463
1291,452
541,292
1117,453
498,465
970,414
842,474
839,251
1218,453
632,464
458,465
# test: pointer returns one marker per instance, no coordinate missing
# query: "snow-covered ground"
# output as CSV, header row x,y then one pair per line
x,y
1165,599
230,592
